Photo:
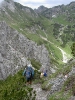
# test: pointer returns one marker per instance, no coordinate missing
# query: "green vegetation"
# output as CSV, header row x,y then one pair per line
x,y
59,31
56,29
68,67
14,88
59,96
73,49
70,84
37,78
61,20
25,18
45,85
35,37
68,88
35,63
66,70
67,49
54,52
69,34
27,22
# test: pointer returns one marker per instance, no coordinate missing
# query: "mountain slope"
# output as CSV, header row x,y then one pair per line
x,y
63,18
27,36
61,10
33,24
16,51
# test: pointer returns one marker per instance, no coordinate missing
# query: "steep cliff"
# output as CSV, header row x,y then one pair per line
x,y
15,49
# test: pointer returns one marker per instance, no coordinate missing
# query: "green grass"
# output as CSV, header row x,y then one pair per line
x,y
54,51
35,38
61,19
45,85
35,63
68,47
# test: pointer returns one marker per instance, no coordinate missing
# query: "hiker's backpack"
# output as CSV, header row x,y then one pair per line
x,y
28,72
45,74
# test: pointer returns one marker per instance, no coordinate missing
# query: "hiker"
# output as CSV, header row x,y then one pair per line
x,y
45,73
29,73
42,74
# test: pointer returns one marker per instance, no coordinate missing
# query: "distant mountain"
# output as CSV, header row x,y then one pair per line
x,y
63,17
41,9
56,11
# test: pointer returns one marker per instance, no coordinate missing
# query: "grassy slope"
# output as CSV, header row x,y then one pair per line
x,y
62,20
25,22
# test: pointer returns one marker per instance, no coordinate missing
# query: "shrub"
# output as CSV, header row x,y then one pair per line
x,y
14,88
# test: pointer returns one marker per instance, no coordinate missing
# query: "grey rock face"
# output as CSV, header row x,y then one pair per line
x,y
40,94
72,71
41,9
8,4
56,83
15,49
72,98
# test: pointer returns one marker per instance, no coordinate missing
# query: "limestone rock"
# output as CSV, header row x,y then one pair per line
x,y
15,49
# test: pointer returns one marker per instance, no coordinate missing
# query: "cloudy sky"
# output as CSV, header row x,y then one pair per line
x,y
47,3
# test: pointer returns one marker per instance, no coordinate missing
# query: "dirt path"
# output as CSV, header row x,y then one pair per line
x,y
65,56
